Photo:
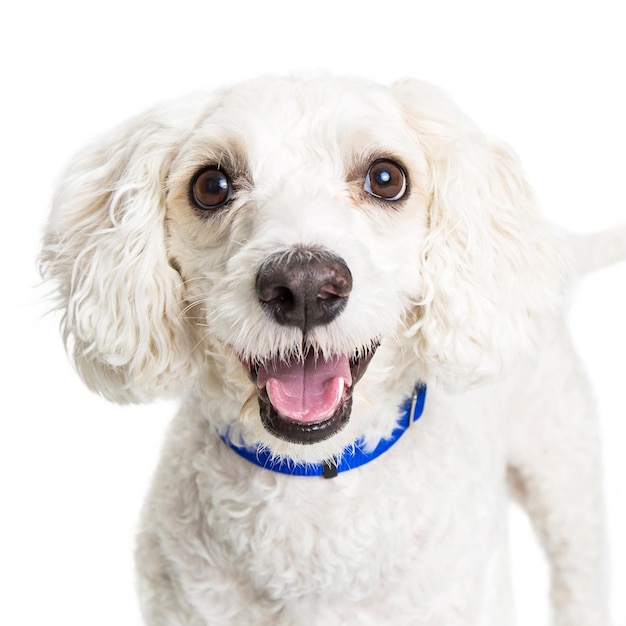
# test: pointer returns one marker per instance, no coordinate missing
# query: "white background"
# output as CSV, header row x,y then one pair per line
x,y
549,77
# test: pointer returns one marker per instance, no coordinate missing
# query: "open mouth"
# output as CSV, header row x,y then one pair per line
x,y
307,399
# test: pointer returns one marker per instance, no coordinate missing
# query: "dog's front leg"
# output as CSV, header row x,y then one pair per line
x,y
555,473
162,602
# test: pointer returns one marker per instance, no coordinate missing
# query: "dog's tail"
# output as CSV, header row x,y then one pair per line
x,y
598,250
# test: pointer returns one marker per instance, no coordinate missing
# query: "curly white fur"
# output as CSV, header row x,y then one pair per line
x,y
463,284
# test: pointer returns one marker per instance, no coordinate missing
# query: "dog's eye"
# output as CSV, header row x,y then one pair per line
x,y
385,180
211,188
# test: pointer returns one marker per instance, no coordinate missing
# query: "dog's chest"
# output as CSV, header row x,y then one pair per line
x,y
414,521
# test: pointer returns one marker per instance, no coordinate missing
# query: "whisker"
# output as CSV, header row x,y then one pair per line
x,y
189,280
188,308
199,342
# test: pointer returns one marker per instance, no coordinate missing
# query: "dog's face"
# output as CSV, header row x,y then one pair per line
x,y
275,240
296,217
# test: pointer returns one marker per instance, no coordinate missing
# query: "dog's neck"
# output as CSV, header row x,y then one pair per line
x,y
353,455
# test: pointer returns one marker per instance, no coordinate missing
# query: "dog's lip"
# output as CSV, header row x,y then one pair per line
x,y
305,432
338,378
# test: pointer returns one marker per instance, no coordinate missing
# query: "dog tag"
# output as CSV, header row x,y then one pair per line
x,y
329,469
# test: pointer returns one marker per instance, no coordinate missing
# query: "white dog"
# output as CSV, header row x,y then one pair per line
x,y
352,290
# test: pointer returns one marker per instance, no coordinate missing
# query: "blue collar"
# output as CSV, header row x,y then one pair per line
x,y
353,455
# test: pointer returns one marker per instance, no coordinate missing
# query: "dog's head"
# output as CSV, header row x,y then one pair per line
x,y
269,243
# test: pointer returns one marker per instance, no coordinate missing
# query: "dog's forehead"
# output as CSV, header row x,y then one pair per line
x,y
270,115
286,104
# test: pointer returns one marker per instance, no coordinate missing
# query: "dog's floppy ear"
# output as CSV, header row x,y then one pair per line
x,y
493,270
104,248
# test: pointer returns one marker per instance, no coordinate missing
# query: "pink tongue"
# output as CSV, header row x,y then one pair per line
x,y
308,391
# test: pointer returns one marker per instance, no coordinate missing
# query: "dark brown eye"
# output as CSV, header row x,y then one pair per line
x,y
211,188
385,180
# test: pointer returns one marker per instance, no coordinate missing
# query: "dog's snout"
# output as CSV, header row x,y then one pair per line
x,y
303,288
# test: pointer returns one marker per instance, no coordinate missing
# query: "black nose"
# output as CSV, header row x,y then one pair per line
x,y
303,288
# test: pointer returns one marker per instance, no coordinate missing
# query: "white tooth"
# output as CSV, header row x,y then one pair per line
x,y
340,387
340,384
268,388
